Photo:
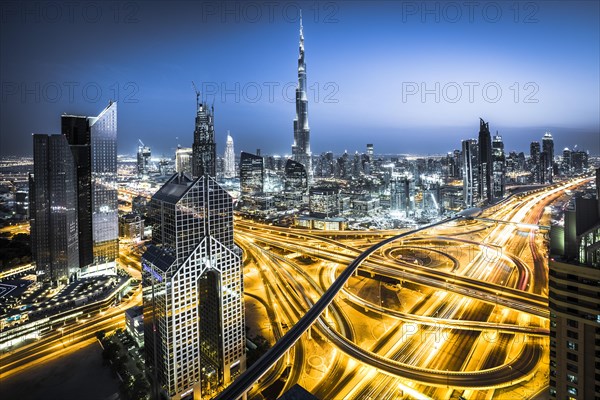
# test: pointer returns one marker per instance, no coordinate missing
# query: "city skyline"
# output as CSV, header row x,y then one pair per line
x,y
389,62
185,230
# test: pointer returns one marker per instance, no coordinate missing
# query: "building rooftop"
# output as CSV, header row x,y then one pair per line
x,y
175,188
134,312
159,258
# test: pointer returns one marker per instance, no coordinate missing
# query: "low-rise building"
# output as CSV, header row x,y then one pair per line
x,y
134,323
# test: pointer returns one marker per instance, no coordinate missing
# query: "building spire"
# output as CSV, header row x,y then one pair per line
x,y
301,55
301,147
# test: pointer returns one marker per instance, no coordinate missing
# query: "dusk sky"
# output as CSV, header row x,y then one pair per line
x,y
526,67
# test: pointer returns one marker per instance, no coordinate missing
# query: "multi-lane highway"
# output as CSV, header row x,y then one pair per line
x,y
488,285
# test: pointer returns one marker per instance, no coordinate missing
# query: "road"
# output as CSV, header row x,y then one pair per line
x,y
496,284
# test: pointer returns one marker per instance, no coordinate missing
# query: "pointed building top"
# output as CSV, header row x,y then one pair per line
x,y
301,27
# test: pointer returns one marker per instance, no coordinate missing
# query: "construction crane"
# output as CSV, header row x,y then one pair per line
x,y
141,143
197,94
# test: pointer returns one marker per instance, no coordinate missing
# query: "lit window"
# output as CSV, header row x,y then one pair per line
x,y
572,390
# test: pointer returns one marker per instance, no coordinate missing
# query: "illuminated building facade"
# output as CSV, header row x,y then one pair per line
x,y
53,205
548,164
143,159
573,298
229,158
498,167
296,178
183,160
534,161
131,227
301,148
192,290
252,174
93,143
579,161
324,202
485,162
470,162
204,149
565,165
400,194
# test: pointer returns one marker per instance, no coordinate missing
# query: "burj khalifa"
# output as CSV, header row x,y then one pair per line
x,y
301,147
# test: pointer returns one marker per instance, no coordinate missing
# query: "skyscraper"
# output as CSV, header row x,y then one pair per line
x,y
229,158
498,167
565,165
470,162
183,160
143,159
296,178
252,174
574,269
93,143
534,161
301,147
53,209
192,289
400,194
485,162
579,161
204,149
548,148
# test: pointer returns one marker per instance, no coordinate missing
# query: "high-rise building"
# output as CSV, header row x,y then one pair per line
x,y
93,143
143,159
53,210
296,178
204,149
573,299
485,162
183,160
548,165
370,150
400,194
498,167
579,161
229,158
565,164
194,330
252,174
470,162
301,148
544,171
534,161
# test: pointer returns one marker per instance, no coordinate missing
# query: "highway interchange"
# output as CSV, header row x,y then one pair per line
x,y
456,309
478,327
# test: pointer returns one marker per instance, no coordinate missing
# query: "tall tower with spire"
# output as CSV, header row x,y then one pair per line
x,y
204,149
301,147
229,158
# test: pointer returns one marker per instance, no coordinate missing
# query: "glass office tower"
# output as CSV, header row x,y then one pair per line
x,y
93,142
53,210
193,290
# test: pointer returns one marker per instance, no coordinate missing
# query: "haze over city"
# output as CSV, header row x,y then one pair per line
x,y
393,71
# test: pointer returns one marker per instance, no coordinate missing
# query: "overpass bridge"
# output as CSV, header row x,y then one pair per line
x,y
517,224
245,381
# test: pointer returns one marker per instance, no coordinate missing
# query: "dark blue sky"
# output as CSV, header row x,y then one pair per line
x,y
410,77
